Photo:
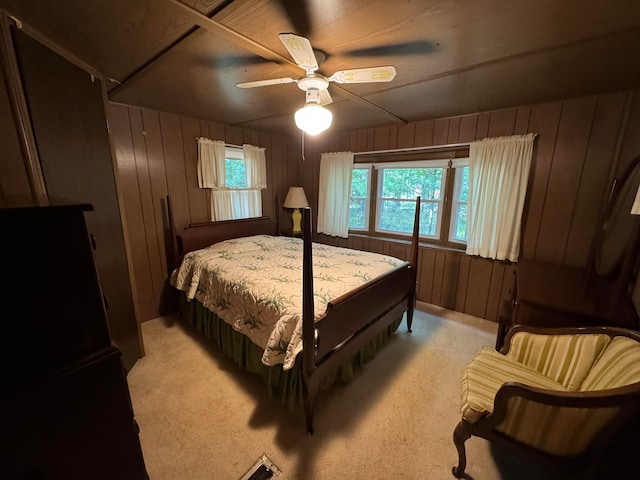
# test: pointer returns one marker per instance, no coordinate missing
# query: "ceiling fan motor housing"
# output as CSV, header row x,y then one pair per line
x,y
313,81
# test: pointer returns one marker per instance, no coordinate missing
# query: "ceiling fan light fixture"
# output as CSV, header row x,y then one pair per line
x,y
313,118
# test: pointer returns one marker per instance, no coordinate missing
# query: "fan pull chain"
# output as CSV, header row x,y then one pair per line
x,y
302,143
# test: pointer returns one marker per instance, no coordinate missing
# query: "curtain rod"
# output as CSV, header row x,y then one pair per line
x,y
413,149
226,144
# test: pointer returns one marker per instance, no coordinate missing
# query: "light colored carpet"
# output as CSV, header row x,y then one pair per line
x,y
202,417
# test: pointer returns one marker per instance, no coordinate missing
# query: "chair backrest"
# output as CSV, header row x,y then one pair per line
x,y
618,366
565,358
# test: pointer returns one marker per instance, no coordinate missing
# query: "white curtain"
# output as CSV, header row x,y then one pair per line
x,y
232,204
256,166
211,163
498,176
229,204
334,192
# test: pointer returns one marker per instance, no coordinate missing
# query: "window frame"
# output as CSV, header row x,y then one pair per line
x,y
455,203
459,157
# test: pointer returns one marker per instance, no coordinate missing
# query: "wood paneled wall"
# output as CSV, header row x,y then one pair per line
x,y
580,144
156,155
575,157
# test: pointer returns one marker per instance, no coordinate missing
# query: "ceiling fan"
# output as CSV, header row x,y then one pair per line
x,y
313,118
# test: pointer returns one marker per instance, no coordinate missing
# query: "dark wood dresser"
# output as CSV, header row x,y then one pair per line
x,y
65,410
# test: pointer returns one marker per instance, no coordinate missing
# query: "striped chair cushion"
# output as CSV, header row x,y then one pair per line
x,y
564,358
556,430
486,373
619,365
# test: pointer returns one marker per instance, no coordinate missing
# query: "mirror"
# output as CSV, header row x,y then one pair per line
x,y
619,226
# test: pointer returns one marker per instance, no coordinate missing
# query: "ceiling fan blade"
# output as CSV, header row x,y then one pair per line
x,y
325,98
300,50
297,11
264,83
364,75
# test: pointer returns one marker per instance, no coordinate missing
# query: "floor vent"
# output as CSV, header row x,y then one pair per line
x,y
263,469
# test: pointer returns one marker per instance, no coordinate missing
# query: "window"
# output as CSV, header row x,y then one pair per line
x,y
383,199
236,177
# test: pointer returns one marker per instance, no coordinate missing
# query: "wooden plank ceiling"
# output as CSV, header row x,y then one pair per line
x,y
452,57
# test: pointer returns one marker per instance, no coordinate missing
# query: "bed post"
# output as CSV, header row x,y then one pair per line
x,y
173,237
309,383
414,264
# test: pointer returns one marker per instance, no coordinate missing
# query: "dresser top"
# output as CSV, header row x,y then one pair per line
x,y
26,202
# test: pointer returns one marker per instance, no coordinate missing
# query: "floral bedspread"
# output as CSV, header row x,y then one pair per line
x,y
255,285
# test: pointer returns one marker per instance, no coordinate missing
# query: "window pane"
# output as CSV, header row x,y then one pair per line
x,y
460,232
236,173
357,213
464,186
428,219
360,183
396,216
407,183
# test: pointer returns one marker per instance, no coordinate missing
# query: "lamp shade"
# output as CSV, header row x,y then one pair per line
x,y
295,198
313,119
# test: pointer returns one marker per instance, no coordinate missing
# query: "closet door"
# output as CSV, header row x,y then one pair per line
x,y
67,113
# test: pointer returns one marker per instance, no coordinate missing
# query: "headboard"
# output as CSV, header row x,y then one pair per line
x,y
201,235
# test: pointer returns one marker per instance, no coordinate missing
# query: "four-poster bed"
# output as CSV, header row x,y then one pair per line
x,y
354,324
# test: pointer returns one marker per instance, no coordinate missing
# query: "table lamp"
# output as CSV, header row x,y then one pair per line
x,y
296,199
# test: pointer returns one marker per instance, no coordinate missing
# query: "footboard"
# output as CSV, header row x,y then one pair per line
x,y
350,315
352,320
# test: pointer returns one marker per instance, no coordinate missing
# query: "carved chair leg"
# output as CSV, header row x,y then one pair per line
x,y
460,435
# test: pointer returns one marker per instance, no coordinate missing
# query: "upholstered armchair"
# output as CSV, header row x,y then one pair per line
x,y
559,393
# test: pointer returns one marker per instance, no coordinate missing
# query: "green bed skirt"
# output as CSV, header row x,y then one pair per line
x,y
285,385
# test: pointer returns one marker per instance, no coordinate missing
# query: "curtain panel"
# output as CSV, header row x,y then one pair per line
x,y
211,163
498,176
256,165
336,170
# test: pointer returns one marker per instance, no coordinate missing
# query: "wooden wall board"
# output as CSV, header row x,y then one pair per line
x,y
463,283
450,280
175,168
154,250
595,180
197,197
423,135
468,127
501,123
564,178
157,180
495,290
543,121
522,121
130,191
478,285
